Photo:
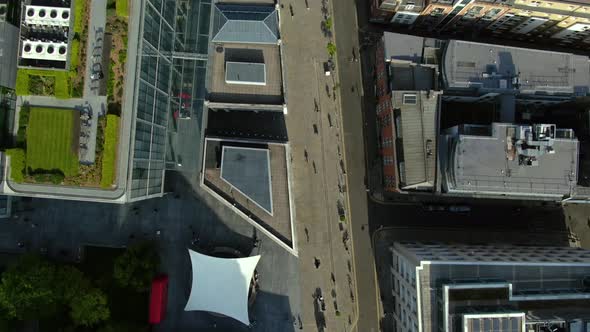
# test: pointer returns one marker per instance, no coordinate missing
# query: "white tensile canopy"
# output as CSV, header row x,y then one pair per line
x,y
221,285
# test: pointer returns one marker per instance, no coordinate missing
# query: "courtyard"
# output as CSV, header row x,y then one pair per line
x,y
61,228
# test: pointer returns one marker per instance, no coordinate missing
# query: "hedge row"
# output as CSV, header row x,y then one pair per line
x,y
17,164
109,155
79,13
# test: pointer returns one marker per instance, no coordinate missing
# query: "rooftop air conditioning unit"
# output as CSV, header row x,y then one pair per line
x,y
38,50
44,15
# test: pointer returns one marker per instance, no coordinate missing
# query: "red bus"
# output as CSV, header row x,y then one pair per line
x,y
158,299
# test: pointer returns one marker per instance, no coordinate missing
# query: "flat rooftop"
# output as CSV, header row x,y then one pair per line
x,y
406,76
248,171
476,65
253,177
480,164
228,53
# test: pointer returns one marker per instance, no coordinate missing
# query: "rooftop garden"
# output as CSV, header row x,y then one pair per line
x,y
48,140
47,145
117,26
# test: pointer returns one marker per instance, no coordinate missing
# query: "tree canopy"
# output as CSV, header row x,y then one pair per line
x,y
27,289
137,266
35,288
90,308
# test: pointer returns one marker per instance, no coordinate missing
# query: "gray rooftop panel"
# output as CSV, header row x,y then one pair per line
x,y
493,322
245,73
403,47
8,54
245,24
475,65
406,76
248,170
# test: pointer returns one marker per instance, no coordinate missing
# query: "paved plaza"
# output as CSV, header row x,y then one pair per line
x,y
63,226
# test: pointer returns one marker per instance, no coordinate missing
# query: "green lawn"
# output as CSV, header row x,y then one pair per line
x,y
50,136
61,82
122,8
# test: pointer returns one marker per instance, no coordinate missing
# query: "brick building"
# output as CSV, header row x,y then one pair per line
x,y
565,23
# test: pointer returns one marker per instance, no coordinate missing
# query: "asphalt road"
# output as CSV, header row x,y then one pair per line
x,y
482,214
351,95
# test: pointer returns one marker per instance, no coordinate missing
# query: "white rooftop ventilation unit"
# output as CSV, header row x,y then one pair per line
x,y
43,15
44,51
3,11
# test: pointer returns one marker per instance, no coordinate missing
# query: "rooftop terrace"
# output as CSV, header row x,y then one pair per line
x,y
226,55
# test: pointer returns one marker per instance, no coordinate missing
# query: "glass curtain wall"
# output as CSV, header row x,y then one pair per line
x,y
166,83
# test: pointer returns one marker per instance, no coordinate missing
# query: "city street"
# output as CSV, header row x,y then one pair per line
x,y
325,170
348,15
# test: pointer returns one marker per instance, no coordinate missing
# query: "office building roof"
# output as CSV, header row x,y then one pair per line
x,y
248,170
496,287
417,122
252,176
494,163
245,24
245,73
487,66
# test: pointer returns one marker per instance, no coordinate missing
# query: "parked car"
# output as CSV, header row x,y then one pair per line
x,y
97,75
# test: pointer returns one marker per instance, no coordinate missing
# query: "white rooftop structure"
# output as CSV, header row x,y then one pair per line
x,y
221,285
245,73
44,15
44,50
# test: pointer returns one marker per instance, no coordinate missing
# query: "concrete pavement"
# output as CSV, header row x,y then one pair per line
x,y
94,55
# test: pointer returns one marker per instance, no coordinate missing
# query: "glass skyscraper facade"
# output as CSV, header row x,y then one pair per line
x,y
172,69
